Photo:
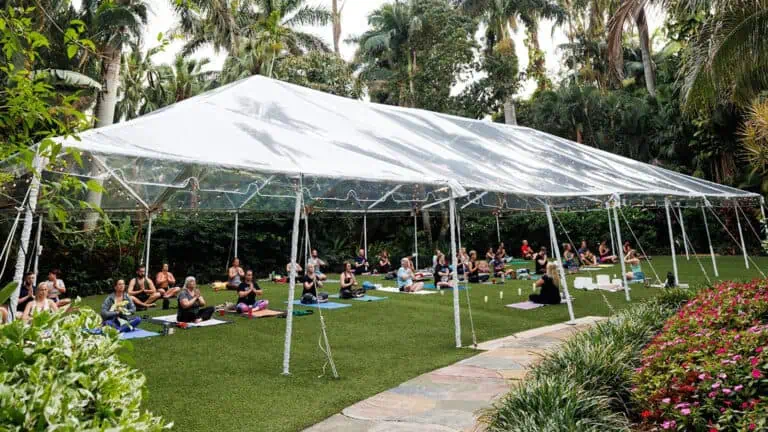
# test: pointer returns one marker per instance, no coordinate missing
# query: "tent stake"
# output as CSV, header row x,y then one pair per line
x,y
685,235
454,261
741,235
560,268
622,258
709,240
671,240
26,232
292,283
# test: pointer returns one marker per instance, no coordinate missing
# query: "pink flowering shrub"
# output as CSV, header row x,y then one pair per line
x,y
708,368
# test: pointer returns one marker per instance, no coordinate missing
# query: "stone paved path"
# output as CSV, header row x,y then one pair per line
x,y
447,399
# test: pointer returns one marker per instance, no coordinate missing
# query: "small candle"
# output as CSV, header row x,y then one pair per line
x,y
519,291
486,299
533,287
442,292
501,294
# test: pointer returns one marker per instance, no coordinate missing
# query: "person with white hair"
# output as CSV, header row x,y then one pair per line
x,y
405,277
192,306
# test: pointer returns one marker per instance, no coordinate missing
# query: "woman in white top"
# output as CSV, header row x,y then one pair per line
x,y
56,289
40,303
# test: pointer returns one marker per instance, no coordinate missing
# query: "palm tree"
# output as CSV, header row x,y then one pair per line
x,y
336,10
138,77
631,10
387,50
112,25
502,18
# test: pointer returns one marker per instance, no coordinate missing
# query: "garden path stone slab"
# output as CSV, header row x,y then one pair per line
x,y
449,399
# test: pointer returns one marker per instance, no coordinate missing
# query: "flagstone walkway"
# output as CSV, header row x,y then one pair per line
x,y
448,399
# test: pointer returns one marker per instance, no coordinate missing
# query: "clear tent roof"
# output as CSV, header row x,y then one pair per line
x,y
248,145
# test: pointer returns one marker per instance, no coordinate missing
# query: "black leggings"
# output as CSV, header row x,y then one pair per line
x,y
348,293
189,316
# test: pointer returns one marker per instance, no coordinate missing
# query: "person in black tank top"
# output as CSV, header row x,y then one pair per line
x,y
142,290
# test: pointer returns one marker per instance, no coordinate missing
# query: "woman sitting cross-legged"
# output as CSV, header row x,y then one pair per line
x,y
443,274
570,261
405,277
550,287
247,295
636,270
118,308
606,257
349,288
40,303
311,283
192,304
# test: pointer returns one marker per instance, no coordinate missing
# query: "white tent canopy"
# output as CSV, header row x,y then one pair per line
x,y
245,144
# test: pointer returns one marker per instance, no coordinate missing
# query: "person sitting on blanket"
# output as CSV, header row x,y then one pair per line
x,y
349,288
569,258
497,263
405,277
247,295
142,290
318,263
235,275
41,303
636,270
490,254
26,292
192,304
164,282
540,260
361,262
526,252
605,253
502,251
550,287
118,308
473,269
586,256
56,288
385,266
310,295
443,274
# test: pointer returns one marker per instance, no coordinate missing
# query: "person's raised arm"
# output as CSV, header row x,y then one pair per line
x,y
160,278
345,281
540,282
171,279
257,289
152,288
187,303
243,293
28,311
60,287
200,299
132,288
232,272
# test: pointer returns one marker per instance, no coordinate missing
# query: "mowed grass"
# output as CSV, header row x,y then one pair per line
x,y
228,377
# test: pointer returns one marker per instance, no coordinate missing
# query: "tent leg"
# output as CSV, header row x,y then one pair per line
x,y
613,238
415,240
741,235
762,213
292,284
709,240
365,235
38,249
498,229
685,235
149,242
26,233
237,234
560,268
617,226
455,262
671,240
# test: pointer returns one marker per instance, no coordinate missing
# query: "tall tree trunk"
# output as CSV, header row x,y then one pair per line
x,y
510,116
336,12
645,48
105,116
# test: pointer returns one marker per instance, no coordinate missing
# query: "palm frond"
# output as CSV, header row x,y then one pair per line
x,y
309,15
310,42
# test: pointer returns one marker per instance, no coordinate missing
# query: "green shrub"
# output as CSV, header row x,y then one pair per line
x,y
707,369
56,376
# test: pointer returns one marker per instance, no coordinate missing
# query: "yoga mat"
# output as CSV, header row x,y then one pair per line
x,y
138,334
397,291
265,313
328,305
172,319
365,298
432,287
527,305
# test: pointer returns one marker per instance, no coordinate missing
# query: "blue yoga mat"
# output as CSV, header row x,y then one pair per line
x,y
328,305
366,298
138,334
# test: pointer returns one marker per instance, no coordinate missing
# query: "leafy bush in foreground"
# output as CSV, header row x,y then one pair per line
x,y
585,384
707,369
56,376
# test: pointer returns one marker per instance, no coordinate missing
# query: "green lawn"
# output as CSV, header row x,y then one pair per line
x,y
229,377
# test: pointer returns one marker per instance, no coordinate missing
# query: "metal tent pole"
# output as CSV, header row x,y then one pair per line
x,y
685,235
237,235
26,232
709,240
415,239
671,240
38,248
149,243
616,250
498,229
741,235
560,268
292,283
617,226
762,212
454,261
365,235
